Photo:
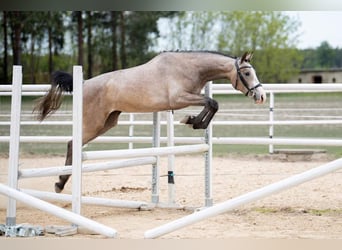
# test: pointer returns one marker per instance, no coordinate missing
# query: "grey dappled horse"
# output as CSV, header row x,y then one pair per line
x,y
169,81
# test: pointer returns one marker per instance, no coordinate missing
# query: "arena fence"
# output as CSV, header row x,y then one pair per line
x,y
14,194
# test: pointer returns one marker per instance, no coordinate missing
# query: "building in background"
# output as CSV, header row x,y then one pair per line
x,y
333,75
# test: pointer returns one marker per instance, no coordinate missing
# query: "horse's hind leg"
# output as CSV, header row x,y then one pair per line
x,y
59,186
110,122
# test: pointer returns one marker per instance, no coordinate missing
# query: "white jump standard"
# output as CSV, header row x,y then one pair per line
x,y
12,192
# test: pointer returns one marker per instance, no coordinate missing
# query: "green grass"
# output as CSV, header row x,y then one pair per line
x,y
232,107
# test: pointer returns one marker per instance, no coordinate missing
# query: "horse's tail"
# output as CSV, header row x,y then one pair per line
x,y
52,100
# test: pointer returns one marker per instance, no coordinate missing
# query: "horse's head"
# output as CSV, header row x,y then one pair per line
x,y
246,79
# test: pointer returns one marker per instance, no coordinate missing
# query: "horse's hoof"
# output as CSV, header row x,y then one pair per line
x,y
197,126
185,120
58,189
200,125
189,120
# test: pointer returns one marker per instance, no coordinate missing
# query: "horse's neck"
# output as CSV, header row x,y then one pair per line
x,y
215,66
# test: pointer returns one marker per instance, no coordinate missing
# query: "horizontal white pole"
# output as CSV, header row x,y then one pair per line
x,y
216,123
222,88
101,139
30,123
277,141
37,93
39,139
268,123
244,199
129,153
147,139
57,211
63,170
188,140
27,87
287,87
7,123
86,200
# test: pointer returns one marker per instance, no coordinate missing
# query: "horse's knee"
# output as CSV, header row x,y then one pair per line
x,y
212,104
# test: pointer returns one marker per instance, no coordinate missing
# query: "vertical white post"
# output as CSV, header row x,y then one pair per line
x,y
13,163
208,155
77,109
155,167
131,130
271,119
171,158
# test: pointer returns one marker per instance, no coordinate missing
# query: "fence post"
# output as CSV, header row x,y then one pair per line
x,y
271,119
208,175
171,158
155,167
131,129
13,162
77,102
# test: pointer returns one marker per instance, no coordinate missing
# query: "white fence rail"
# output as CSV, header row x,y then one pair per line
x,y
271,89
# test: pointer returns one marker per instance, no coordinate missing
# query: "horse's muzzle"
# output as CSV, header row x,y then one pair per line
x,y
259,95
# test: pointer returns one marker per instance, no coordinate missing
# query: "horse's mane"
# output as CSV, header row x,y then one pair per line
x,y
201,51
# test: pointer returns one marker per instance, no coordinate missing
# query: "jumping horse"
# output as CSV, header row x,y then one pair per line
x,y
169,81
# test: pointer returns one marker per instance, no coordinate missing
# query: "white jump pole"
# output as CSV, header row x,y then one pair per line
x,y
13,163
57,211
131,129
141,152
208,175
155,167
271,119
244,199
93,167
86,200
77,109
171,159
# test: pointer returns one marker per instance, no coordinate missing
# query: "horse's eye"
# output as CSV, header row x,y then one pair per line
x,y
247,74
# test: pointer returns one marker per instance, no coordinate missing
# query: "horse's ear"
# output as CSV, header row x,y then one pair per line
x,y
247,57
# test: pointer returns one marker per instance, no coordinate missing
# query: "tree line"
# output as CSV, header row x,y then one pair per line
x,y
103,41
98,40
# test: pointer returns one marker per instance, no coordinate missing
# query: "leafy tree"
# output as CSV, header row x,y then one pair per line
x,y
123,38
325,55
113,26
89,24
141,29
271,35
55,29
5,48
190,30
79,20
123,54
16,22
322,57
32,36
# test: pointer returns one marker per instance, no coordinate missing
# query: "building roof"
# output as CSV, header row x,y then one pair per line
x,y
321,70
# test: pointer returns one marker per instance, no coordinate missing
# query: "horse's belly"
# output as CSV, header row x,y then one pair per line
x,y
143,107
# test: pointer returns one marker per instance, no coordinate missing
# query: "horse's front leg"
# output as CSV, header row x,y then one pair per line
x,y
202,120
